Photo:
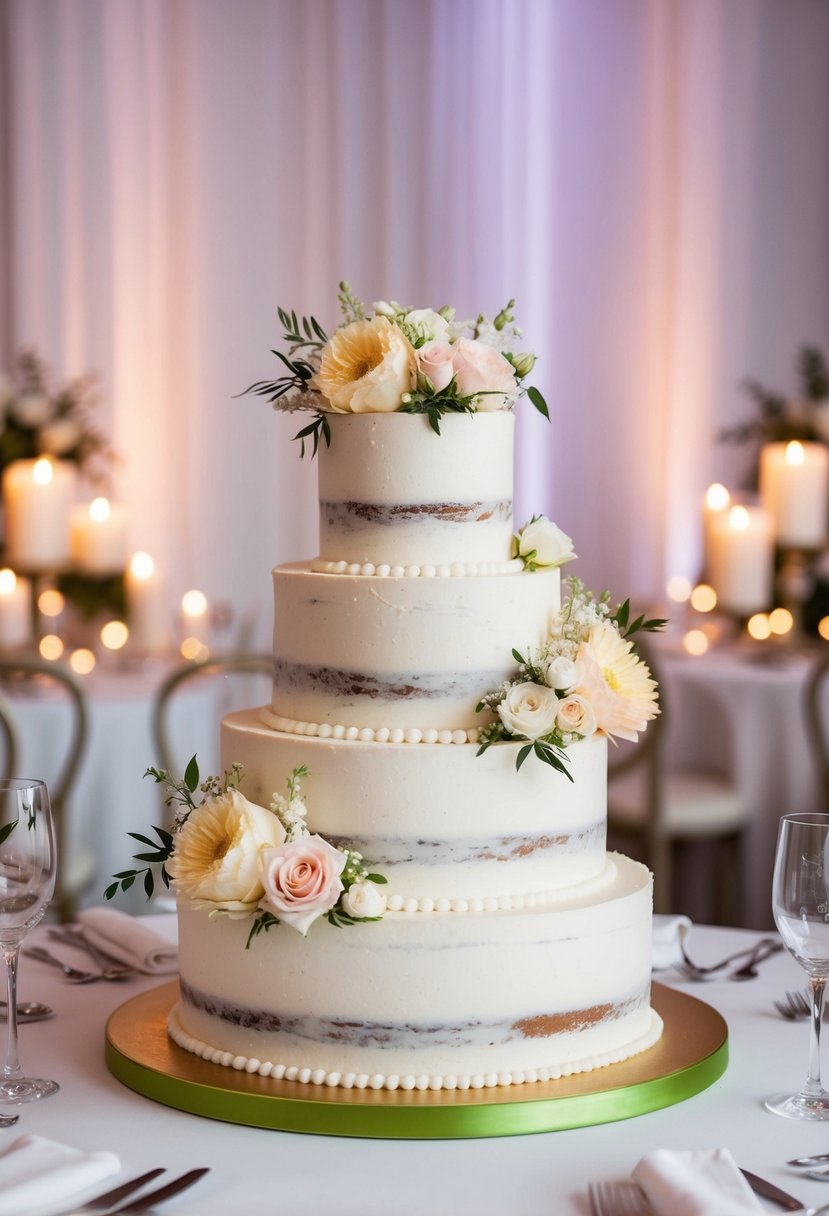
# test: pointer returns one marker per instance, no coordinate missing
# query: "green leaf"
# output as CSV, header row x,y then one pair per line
x,y
127,882
519,658
378,878
149,884
191,775
522,755
141,839
539,402
7,829
111,890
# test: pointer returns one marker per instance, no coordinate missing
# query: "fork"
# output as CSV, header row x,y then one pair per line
x,y
73,974
144,1203
112,969
695,971
617,1199
794,1005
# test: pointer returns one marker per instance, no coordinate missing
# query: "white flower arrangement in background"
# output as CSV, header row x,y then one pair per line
x,y
586,677
232,858
390,358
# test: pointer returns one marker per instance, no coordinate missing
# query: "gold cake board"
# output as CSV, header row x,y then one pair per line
x,y
691,1054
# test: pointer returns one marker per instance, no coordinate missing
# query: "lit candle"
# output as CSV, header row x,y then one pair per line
x,y
98,537
794,489
15,610
37,497
150,625
742,559
716,502
195,617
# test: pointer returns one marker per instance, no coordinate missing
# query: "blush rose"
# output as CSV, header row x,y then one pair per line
x,y
302,880
483,371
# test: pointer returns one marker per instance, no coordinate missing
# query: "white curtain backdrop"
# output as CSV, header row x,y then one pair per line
x,y
648,178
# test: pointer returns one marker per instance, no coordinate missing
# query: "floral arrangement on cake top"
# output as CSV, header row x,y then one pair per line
x,y
40,418
389,358
231,857
587,677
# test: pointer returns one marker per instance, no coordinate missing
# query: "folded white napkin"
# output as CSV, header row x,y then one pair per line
x,y
127,939
698,1182
668,934
37,1174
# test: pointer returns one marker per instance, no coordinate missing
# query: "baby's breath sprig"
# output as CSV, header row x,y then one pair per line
x,y
291,811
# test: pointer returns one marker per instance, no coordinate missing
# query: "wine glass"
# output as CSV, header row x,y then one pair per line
x,y
27,882
800,902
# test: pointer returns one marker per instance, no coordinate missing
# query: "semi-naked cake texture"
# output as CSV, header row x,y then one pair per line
x,y
507,946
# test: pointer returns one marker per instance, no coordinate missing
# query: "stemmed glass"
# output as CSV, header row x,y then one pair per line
x,y
800,903
27,882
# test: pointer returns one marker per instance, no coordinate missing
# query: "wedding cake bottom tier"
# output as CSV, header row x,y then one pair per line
x,y
447,828
444,1001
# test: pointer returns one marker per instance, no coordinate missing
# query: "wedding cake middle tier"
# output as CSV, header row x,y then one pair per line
x,y
396,652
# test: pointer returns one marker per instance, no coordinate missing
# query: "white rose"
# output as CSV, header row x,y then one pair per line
x,y
364,899
543,544
431,325
217,860
383,309
575,716
561,672
31,409
529,710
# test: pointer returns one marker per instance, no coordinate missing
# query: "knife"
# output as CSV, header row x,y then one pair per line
x,y
818,1159
148,1201
769,1191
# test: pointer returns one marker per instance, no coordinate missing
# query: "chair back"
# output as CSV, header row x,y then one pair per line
x,y
816,713
236,664
68,765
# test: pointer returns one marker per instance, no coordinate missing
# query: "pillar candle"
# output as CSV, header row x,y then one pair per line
x,y
98,537
717,501
742,559
37,497
15,610
794,489
148,611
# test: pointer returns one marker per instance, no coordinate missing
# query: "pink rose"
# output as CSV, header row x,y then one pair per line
x,y
482,369
302,880
434,359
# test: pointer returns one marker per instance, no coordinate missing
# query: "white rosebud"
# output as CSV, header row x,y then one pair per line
x,y
433,326
383,309
364,899
561,672
543,544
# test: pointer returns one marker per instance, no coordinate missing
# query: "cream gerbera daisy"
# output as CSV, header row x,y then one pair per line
x,y
366,367
217,856
616,682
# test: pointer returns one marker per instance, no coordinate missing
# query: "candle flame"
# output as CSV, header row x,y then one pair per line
x,y
695,642
194,603
738,519
794,452
141,565
8,581
42,473
99,510
717,498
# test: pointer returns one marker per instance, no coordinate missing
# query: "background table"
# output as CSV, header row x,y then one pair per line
x,y
740,708
111,797
258,1172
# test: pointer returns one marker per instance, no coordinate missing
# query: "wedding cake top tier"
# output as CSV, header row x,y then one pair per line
x,y
395,494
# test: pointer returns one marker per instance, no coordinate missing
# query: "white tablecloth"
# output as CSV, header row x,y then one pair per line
x,y
260,1173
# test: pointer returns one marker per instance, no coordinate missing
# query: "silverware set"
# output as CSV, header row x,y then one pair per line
x,y
626,1198
109,1201
107,968
750,959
